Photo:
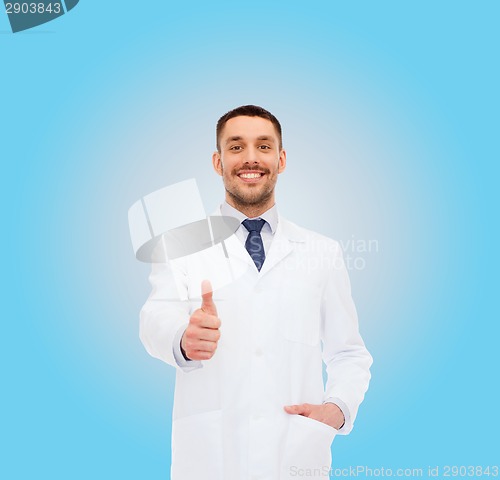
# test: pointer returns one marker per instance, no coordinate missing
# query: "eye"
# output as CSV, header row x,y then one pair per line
x,y
265,147
235,148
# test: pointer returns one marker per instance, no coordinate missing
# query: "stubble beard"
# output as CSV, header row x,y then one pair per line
x,y
250,198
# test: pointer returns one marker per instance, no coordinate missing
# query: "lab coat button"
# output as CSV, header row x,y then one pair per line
x,y
258,352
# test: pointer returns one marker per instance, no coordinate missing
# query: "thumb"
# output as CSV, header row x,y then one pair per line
x,y
207,304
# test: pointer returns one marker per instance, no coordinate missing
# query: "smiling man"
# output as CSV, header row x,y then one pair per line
x,y
253,154
250,401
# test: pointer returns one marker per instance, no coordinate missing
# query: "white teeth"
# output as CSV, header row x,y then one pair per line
x,y
250,175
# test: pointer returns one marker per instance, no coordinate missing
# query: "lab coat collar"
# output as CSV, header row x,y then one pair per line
x,y
287,234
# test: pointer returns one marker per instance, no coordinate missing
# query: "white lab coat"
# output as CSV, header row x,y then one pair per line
x,y
278,325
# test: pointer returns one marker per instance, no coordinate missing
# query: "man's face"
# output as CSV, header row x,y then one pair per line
x,y
249,160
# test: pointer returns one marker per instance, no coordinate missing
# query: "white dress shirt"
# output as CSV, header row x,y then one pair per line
x,y
268,230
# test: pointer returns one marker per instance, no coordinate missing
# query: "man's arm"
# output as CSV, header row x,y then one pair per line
x,y
164,318
344,353
347,360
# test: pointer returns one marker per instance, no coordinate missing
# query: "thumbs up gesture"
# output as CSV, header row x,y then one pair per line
x,y
200,338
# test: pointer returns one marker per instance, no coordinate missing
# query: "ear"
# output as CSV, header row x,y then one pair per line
x,y
282,161
217,163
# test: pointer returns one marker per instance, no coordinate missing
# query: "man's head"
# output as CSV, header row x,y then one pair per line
x,y
248,111
249,157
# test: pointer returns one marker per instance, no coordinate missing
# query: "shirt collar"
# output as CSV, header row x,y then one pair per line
x,y
270,216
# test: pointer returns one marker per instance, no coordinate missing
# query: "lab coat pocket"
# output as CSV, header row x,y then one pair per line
x,y
197,447
307,448
302,317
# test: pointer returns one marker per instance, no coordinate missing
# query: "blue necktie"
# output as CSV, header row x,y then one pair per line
x,y
254,245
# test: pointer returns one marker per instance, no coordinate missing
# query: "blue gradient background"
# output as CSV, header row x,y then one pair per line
x,y
390,115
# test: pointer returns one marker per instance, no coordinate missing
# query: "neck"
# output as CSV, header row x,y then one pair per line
x,y
250,210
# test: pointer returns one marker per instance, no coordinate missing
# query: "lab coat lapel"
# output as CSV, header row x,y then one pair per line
x,y
282,245
287,234
235,249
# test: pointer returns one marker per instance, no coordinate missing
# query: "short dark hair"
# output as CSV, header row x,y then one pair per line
x,y
248,111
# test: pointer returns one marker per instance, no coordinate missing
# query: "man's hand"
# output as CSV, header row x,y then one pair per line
x,y
200,338
327,413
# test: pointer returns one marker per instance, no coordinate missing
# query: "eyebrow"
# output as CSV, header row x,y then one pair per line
x,y
237,138
233,139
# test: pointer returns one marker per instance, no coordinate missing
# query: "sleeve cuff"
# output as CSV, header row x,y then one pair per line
x,y
185,365
344,429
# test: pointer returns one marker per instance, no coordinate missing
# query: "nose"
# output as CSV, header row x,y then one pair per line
x,y
251,156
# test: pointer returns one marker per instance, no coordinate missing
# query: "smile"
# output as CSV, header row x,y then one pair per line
x,y
250,177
